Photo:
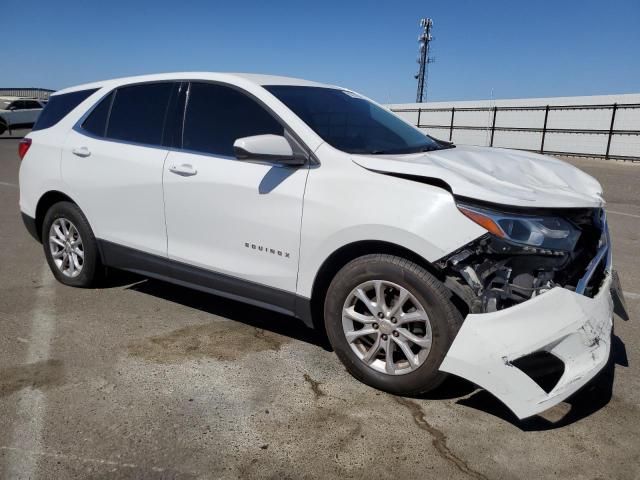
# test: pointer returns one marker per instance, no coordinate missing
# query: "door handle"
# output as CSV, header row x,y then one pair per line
x,y
81,151
186,170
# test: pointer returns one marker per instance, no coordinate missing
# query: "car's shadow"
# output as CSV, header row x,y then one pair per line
x,y
590,399
249,315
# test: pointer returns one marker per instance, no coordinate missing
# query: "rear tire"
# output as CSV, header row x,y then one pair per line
x,y
70,247
415,321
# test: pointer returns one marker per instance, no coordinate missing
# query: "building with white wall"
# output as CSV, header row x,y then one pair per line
x,y
574,125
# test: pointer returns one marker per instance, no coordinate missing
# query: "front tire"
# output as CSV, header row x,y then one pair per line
x,y
391,323
69,245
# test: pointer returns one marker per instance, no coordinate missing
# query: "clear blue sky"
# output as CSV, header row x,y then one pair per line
x,y
517,48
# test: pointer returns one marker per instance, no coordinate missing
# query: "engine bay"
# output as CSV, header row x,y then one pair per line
x,y
492,273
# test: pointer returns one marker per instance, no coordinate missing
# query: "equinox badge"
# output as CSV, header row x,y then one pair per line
x,y
261,248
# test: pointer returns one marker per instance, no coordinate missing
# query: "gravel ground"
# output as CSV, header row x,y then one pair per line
x,y
142,379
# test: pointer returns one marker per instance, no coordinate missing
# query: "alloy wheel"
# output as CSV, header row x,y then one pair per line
x,y
386,327
66,247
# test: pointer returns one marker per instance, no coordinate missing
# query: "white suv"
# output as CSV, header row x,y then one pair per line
x,y
18,112
417,257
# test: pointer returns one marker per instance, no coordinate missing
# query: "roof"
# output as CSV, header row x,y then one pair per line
x,y
8,98
254,78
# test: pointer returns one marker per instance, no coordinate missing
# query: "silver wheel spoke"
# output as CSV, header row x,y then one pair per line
x,y
55,240
59,254
416,316
409,355
58,231
78,252
380,300
70,265
402,299
76,262
389,366
373,351
420,341
351,336
360,293
358,317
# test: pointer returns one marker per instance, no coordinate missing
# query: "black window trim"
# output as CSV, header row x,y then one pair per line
x,y
312,158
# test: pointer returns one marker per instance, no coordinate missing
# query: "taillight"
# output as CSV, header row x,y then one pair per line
x,y
23,147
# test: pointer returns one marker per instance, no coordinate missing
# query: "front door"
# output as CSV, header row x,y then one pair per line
x,y
237,219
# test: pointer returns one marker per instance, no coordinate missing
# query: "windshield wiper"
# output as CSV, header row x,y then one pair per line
x,y
441,145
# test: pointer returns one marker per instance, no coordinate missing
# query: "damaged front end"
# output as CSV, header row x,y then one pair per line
x,y
514,262
537,287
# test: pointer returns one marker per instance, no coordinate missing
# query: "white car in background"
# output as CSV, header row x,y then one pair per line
x,y
416,256
18,112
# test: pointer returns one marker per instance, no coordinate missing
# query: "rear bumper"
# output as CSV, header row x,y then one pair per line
x,y
574,328
30,225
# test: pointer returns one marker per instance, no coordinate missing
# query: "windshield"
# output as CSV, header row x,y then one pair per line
x,y
351,123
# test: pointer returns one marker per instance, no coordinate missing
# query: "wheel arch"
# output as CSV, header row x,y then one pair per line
x,y
343,255
44,203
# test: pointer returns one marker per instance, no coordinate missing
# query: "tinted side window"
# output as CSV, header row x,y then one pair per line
x,y
138,113
96,122
217,115
31,104
59,106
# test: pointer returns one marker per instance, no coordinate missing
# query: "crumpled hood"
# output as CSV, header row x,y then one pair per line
x,y
496,175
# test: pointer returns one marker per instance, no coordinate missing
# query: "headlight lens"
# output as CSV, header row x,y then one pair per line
x,y
544,232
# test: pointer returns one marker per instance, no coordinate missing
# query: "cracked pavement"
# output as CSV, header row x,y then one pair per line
x,y
142,379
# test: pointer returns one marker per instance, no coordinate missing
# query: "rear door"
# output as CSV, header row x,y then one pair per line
x,y
235,218
113,161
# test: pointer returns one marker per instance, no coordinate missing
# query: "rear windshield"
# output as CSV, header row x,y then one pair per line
x,y
59,106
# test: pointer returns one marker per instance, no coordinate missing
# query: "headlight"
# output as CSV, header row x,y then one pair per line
x,y
543,232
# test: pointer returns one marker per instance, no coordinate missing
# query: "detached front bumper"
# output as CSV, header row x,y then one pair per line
x,y
574,328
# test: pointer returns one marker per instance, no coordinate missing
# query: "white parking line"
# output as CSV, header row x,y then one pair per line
x,y
7,184
77,458
632,215
632,295
31,407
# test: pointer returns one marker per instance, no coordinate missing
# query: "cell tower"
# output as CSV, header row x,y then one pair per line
x,y
423,58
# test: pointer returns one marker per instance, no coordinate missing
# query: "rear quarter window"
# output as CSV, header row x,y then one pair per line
x,y
59,106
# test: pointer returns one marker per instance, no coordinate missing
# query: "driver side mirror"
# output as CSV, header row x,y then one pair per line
x,y
267,148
